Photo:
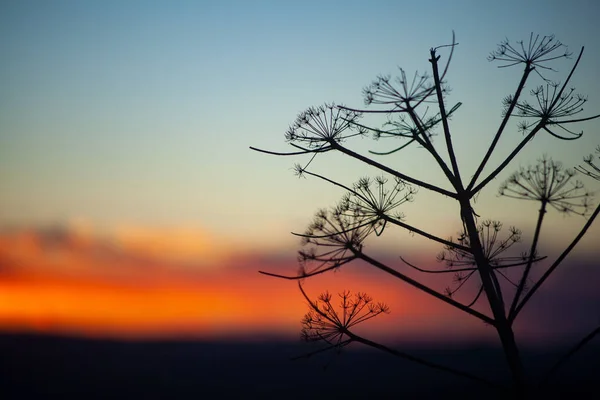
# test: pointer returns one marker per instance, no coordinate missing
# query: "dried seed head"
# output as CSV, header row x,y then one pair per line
x,y
325,322
550,183
320,126
536,53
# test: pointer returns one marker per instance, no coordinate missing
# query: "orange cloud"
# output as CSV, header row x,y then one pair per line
x,y
150,283
171,244
175,308
139,283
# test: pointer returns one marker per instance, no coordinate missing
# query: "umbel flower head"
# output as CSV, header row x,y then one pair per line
x,y
400,92
330,324
591,169
336,235
548,182
552,104
405,127
319,126
535,53
493,246
333,238
371,199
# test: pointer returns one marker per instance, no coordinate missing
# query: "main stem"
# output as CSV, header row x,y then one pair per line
x,y
489,281
505,332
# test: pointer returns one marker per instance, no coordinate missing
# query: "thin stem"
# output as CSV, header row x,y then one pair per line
x,y
558,95
426,143
569,354
509,111
557,262
385,217
343,343
425,234
508,159
304,171
471,304
296,277
437,271
446,271
421,361
390,171
337,232
422,287
294,153
574,120
393,110
387,153
438,88
532,251
380,131
498,289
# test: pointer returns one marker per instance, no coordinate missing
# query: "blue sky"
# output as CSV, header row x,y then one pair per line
x,y
142,112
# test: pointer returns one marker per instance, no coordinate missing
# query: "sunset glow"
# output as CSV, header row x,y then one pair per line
x,y
132,206
64,283
70,283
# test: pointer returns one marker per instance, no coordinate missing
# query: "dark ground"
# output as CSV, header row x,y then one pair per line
x,y
54,367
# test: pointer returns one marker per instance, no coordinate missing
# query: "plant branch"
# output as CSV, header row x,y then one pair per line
x,y
343,343
532,251
509,111
296,277
557,98
447,271
294,153
574,120
564,254
425,234
387,153
391,171
422,287
438,88
386,217
508,159
426,143
421,361
569,354
394,110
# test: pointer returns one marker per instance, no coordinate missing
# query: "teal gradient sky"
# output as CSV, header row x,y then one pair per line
x,y
142,113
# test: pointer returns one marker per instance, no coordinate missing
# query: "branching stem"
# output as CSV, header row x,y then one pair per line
x,y
392,172
509,111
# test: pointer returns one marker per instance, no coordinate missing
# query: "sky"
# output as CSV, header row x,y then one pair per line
x,y
132,205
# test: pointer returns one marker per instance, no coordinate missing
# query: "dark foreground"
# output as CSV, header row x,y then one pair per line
x,y
53,367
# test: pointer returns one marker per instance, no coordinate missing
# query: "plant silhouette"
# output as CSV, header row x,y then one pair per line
x,y
483,254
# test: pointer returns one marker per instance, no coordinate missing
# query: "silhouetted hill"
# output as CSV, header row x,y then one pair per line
x,y
56,367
